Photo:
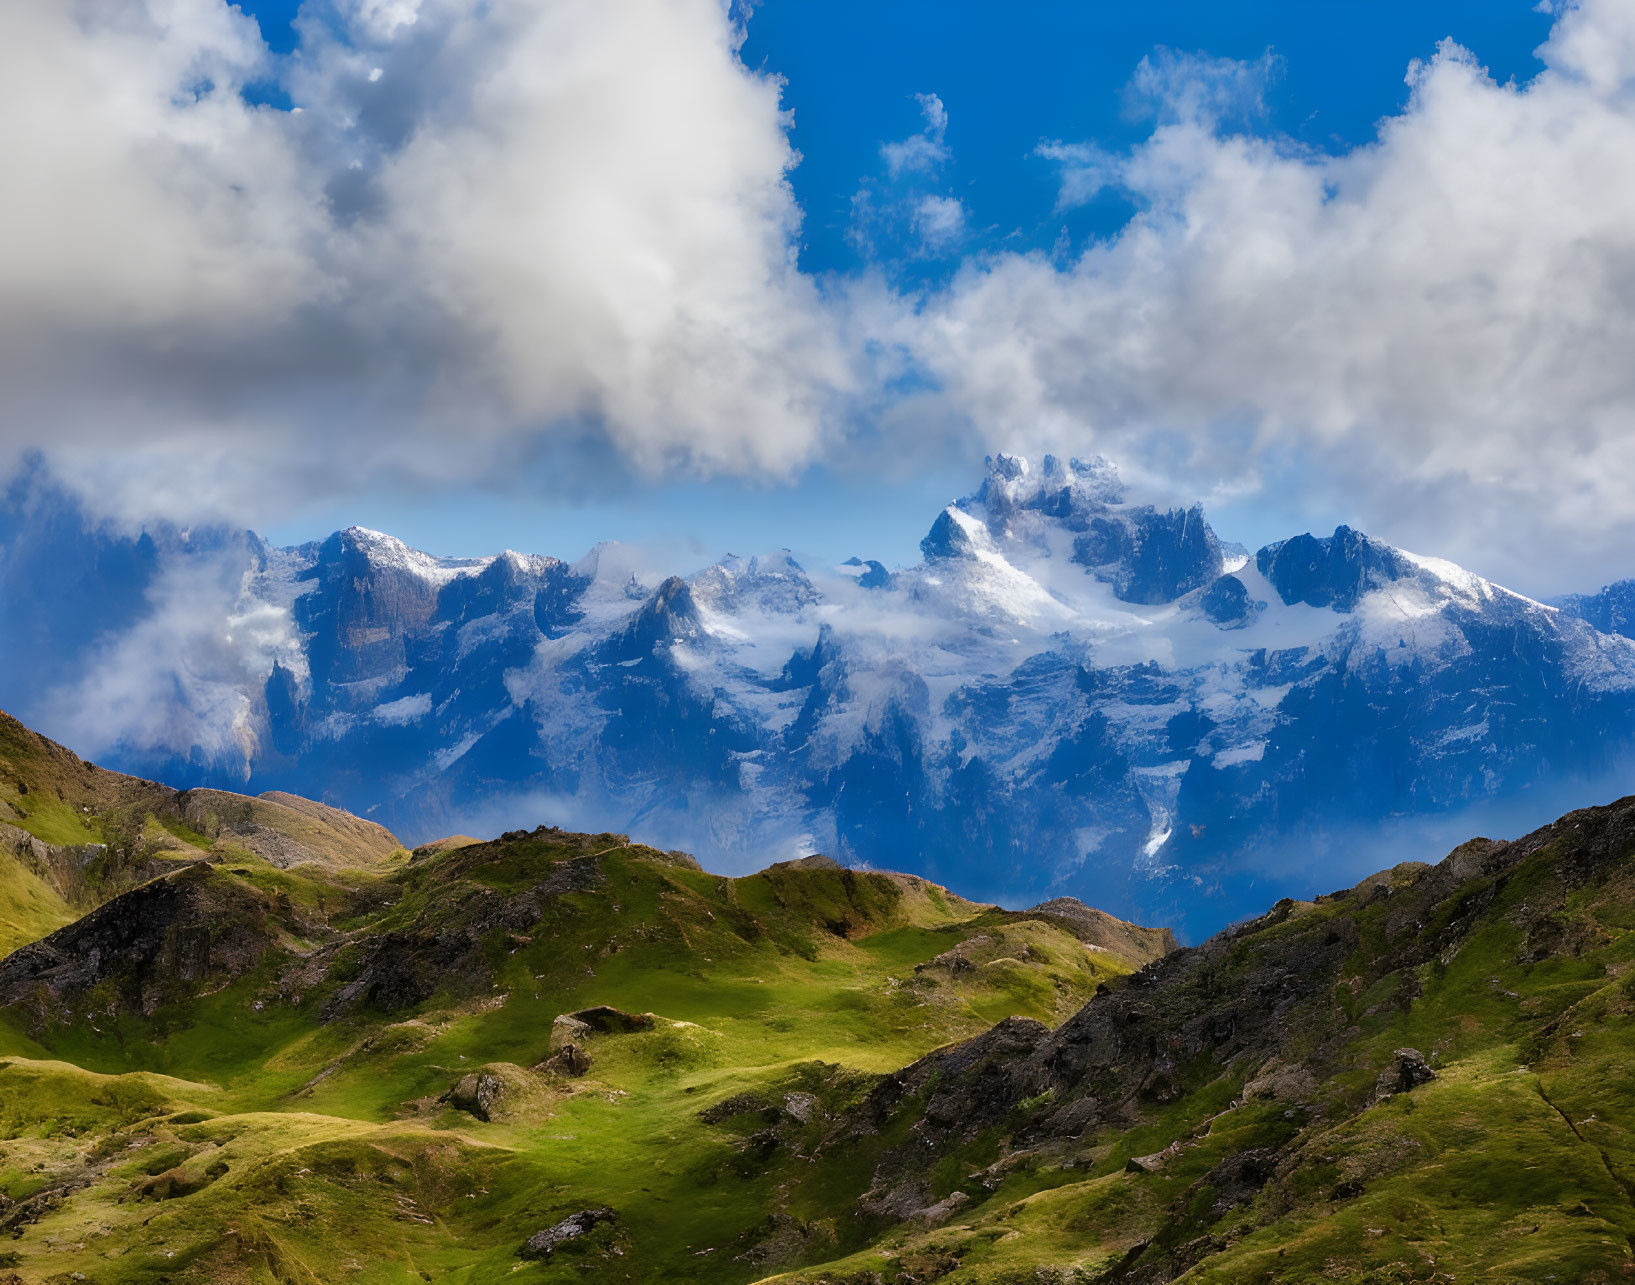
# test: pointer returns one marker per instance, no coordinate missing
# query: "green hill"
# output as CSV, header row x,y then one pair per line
x,y
373,1069
73,835
558,1057
1426,1078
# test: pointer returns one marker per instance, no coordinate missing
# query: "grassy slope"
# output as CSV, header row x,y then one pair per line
x,y
244,1136
29,906
142,829
1516,1165
330,1134
51,793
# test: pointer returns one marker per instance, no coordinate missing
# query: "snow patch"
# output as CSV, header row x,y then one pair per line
x,y
400,713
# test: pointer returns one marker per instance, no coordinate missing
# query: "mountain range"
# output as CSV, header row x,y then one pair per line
x,y
1072,693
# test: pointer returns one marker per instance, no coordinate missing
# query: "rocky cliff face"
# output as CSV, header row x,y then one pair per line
x,y
1072,694
1293,1014
1612,610
161,943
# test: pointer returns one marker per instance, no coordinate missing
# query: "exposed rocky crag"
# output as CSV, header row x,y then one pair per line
x,y
1268,1005
1075,693
160,943
1612,610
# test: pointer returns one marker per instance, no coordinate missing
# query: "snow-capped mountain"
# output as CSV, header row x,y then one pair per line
x,y
1071,693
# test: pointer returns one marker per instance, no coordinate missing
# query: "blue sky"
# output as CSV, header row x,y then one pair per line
x,y
537,273
1056,69
1008,79
1015,75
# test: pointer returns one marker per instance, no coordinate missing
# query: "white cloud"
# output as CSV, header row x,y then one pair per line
x,y
562,229
939,222
1436,327
1171,85
145,199
897,215
1085,171
382,19
925,152
493,221
178,681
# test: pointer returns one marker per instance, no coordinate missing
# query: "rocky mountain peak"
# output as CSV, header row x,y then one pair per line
x,y
362,548
1052,485
1334,572
669,616
1148,556
955,534
1612,610
770,582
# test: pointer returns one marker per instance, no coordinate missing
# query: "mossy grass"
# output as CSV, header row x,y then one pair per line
x,y
311,1133
270,1128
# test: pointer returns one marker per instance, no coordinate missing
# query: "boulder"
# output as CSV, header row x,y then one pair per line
x,y
801,1107
1281,1082
606,1020
475,1094
1154,1162
1408,1070
570,1060
543,1244
939,1213
568,1030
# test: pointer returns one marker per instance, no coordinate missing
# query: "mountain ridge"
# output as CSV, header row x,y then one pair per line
x,y
1073,694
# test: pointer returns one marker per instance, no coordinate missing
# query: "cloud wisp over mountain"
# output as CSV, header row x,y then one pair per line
x,y
451,242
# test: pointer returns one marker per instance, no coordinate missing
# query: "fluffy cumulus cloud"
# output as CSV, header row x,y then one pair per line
x,y
487,222
500,228
1437,325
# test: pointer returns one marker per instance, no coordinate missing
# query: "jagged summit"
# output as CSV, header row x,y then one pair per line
x,y
1012,481
1612,610
1073,693
1076,511
771,582
384,552
1338,571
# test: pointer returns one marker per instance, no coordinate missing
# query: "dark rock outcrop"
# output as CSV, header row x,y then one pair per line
x,y
545,1243
1612,610
1226,601
1150,556
1408,1070
606,1020
742,1105
1333,572
570,1060
159,943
